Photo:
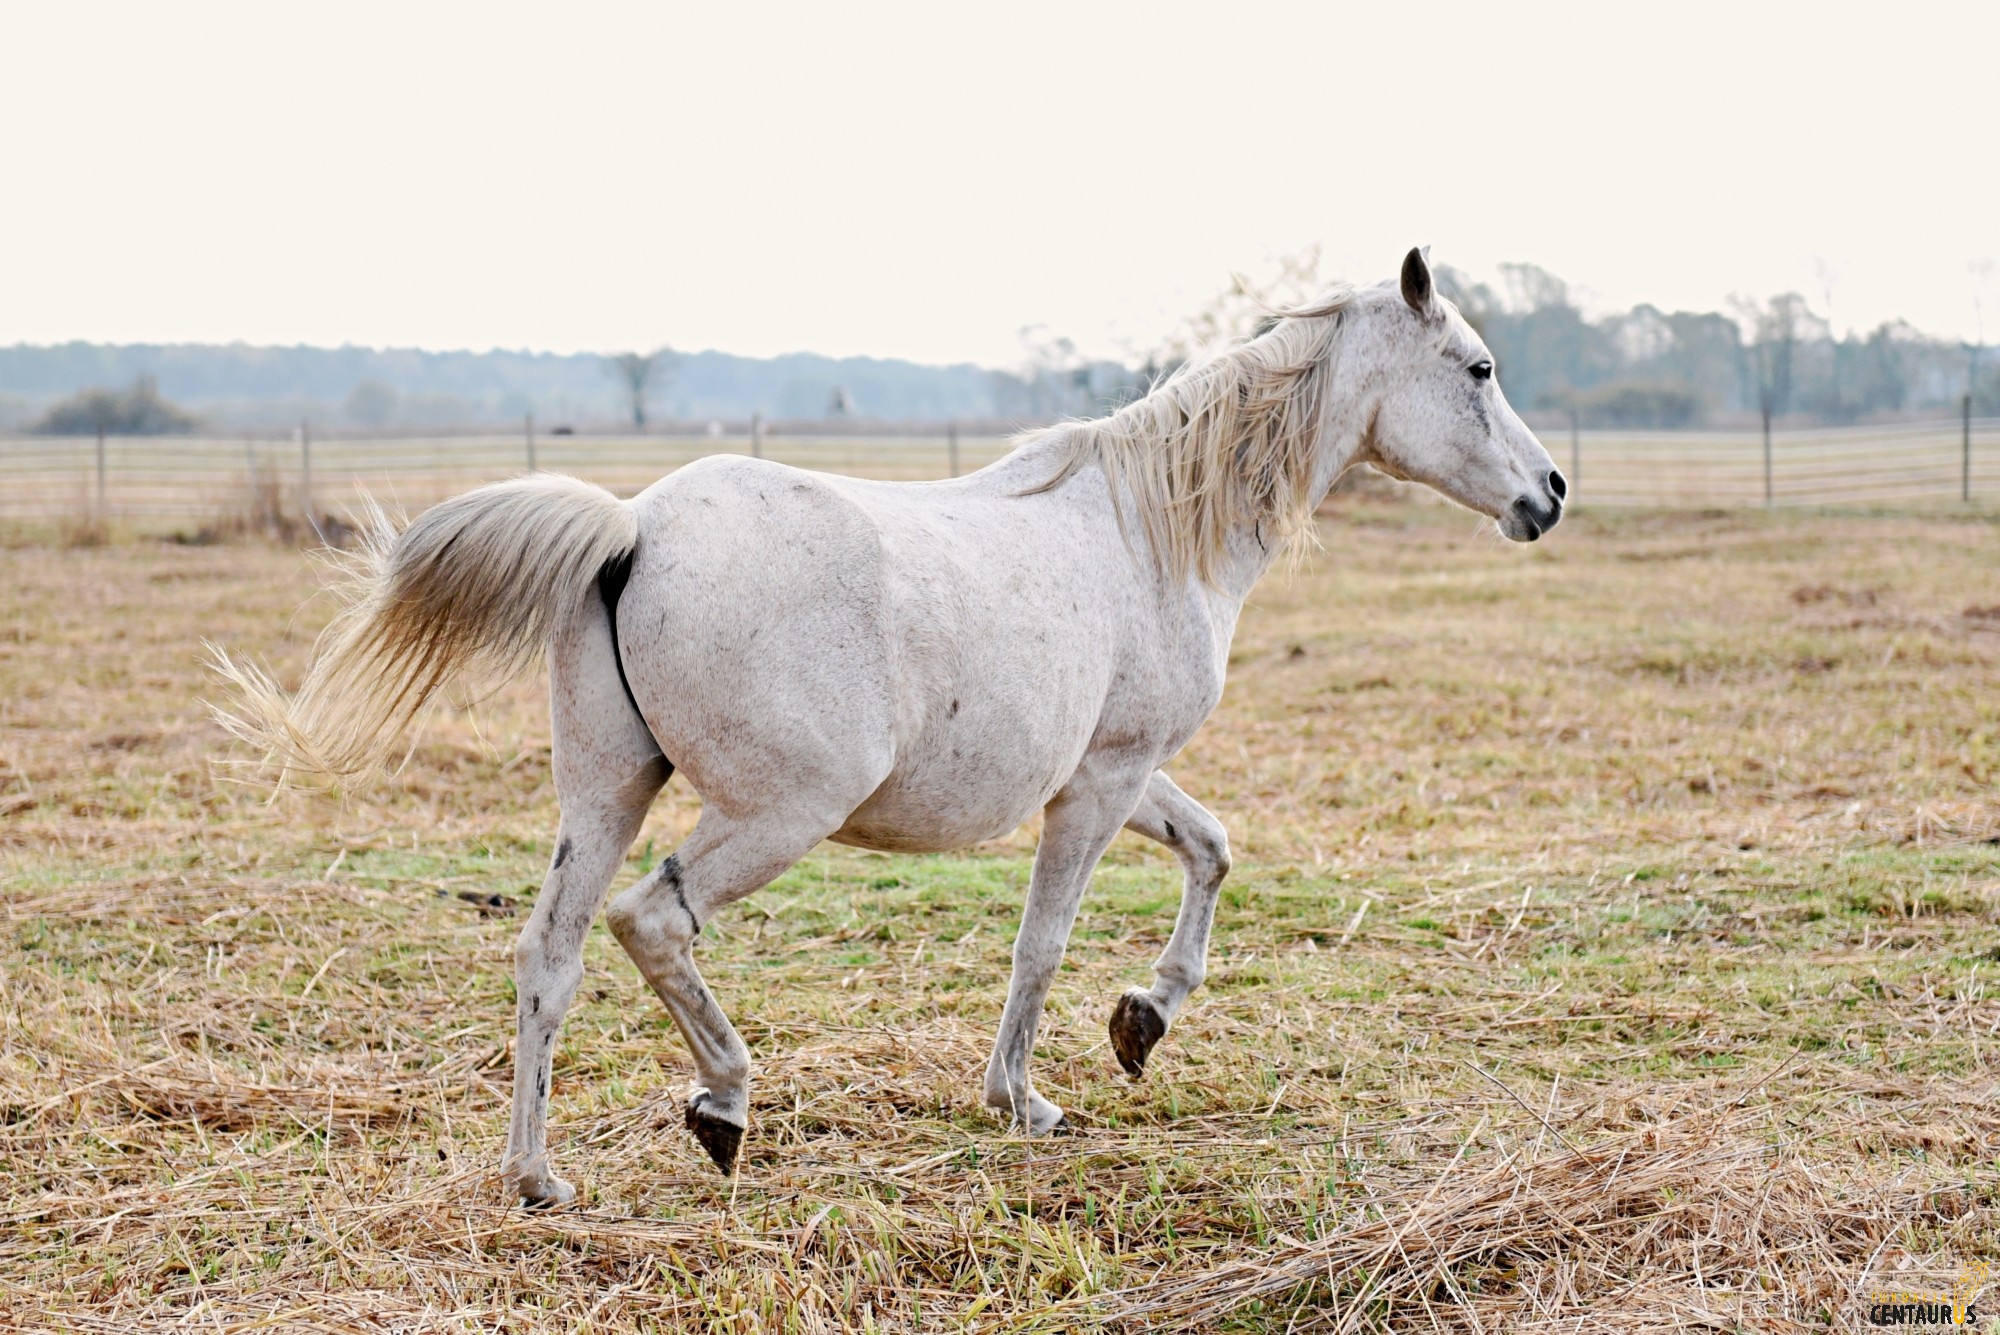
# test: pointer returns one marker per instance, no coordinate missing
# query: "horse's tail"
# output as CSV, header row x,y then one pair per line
x,y
475,584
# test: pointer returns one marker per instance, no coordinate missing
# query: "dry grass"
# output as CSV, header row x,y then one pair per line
x,y
1612,946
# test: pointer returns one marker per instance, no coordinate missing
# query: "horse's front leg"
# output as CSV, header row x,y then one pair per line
x,y
1169,816
1078,825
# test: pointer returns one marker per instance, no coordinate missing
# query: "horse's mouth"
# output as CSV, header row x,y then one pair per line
x,y
1526,521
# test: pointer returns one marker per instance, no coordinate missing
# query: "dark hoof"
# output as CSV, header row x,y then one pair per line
x,y
1135,1028
1063,1127
723,1140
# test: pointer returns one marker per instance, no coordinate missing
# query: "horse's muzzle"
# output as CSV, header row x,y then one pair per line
x,y
1529,519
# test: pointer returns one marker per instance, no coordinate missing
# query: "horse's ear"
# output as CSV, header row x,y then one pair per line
x,y
1418,289
1417,286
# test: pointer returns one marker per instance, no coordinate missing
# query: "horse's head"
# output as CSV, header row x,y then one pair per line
x,y
1442,419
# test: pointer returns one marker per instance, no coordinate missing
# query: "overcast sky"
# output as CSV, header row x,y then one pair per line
x,y
921,181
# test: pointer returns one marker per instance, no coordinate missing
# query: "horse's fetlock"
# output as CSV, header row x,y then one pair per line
x,y
1004,1089
532,1184
732,1072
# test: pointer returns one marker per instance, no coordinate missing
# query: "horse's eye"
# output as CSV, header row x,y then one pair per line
x,y
1481,370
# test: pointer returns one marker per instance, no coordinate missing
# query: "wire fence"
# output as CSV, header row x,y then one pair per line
x,y
168,482
1906,463
164,482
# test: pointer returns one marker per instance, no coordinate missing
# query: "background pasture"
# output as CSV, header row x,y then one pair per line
x,y
1612,945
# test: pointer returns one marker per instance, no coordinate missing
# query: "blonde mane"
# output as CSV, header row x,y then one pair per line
x,y
1222,442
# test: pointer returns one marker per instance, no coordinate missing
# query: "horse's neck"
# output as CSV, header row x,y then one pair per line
x,y
1252,548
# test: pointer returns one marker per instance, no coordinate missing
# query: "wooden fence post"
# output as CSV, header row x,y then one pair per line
x,y
306,472
103,514
528,425
1965,454
1575,449
1768,495
756,435
951,446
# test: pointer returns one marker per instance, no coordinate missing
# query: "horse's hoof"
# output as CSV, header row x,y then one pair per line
x,y
1063,1127
723,1140
543,1192
1135,1027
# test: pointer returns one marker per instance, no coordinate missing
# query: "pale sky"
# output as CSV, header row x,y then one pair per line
x,y
922,180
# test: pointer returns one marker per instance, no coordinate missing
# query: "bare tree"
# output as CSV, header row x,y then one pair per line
x,y
638,373
1243,310
1773,328
1982,278
1827,278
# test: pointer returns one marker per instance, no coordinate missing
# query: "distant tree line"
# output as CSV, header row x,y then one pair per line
x,y
1653,368
235,386
1644,368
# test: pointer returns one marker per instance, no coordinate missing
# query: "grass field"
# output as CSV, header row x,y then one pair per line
x,y
1614,944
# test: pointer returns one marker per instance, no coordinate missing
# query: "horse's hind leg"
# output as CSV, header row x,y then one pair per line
x,y
1169,816
726,858
607,772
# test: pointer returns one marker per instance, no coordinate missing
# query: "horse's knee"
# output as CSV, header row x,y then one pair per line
x,y
531,947
544,987
542,963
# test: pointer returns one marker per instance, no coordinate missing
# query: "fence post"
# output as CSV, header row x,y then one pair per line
x,y
103,514
1767,459
1575,450
951,446
1965,454
528,424
756,435
306,471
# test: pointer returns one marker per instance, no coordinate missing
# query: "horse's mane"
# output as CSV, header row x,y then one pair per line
x,y
1221,441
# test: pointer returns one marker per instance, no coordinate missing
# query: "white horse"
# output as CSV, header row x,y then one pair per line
x,y
905,666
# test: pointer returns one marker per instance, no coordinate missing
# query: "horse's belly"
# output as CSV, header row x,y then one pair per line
x,y
936,803
895,832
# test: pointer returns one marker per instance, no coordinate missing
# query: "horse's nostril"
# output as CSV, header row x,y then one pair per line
x,y
1557,487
